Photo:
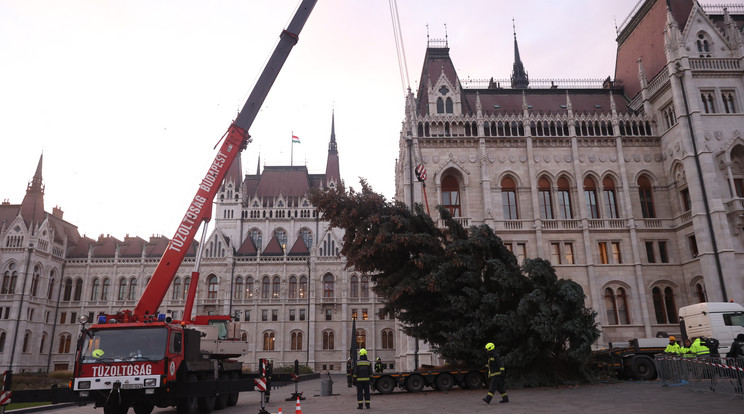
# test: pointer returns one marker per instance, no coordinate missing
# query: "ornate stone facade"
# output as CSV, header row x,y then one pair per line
x,y
602,180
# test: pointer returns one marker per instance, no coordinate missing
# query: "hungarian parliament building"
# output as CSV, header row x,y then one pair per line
x,y
632,186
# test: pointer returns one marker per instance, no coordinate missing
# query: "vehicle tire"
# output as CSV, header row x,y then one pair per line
x,y
385,385
232,398
220,401
643,368
444,382
415,383
187,405
116,409
473,380
143,407
206,403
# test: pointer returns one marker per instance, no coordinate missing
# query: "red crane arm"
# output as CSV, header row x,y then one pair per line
x,y
200,209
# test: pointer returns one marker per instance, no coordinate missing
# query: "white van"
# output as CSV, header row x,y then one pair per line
x,y
720,320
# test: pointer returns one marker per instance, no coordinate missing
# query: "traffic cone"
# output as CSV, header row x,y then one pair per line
x,y
280,410
298,409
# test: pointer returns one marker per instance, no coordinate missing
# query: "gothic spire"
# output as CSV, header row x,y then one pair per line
x,y
332,175
519,78
32,207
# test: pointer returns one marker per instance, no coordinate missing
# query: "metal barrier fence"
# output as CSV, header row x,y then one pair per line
x,y
720,375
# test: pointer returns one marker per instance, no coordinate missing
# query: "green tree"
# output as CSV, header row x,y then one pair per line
x,y
458,288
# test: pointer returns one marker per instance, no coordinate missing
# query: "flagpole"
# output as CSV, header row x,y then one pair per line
x,y
291,152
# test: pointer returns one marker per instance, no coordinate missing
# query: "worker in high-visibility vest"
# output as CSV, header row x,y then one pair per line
x,y
673,348
495,374
362,372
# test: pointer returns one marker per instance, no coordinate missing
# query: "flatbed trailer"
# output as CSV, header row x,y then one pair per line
x,y
438,379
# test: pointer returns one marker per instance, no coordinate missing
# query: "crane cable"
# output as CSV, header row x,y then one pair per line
x,y
399,49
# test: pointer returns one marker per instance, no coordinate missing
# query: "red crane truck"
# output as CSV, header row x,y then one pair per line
x,y
140,358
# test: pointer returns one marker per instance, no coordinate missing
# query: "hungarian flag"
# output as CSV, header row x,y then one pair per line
x,y
295,139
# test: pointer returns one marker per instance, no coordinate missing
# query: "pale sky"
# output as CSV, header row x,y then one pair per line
x,y
127,98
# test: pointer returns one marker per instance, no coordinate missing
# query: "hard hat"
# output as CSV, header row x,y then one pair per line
x,y
97,353
671,338
490,346
362,352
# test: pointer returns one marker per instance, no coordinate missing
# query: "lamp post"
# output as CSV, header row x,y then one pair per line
x,y
307,293
409,141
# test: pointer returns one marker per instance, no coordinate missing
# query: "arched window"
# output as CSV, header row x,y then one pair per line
x,y
387,339
610,200
293,287
440,105
269,338
26,341
544,199
328,286
281,236
276,287
35,280
212,287
449,106
122,291
132,289
700,294
244,336
238,291
186,285
10,278
176,289
249,287
616,304
64,343
364,287
43,342
328,340
67,295
564,199
509,198
303,287
78,289
94,289
451,195
361,338
265,287
664,305
52,281
646,196
105,287
257,238
2,341
590,194
296,341
307,237
354,286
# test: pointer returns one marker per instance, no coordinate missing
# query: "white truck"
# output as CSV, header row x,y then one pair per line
x,y
720,320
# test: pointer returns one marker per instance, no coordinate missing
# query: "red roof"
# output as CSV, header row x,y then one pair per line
x,y
299,248
248,248
273,248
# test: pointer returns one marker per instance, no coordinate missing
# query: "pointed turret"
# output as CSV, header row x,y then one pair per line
x,y
519,78
332,172
32,207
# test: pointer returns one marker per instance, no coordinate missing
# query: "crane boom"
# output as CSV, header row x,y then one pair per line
x,y
237,138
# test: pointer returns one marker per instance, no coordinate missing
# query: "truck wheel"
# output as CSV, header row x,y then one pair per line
x,y
206,403
232,398
473,380
444,382
221,401
415,383
643,368
385,385
187,405
115,409
143,408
